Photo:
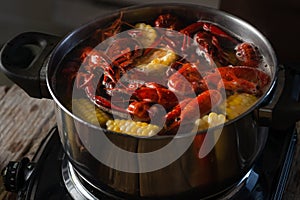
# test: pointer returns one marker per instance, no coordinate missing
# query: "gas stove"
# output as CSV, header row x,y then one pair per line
x,y
50,176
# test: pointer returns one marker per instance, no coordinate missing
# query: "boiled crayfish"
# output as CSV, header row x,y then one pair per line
x,y
184,68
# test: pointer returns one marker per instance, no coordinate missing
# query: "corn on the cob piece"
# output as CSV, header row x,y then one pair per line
x,y
163,57
84,109
157,61
149,34
210,120
132,127
238,103
158,57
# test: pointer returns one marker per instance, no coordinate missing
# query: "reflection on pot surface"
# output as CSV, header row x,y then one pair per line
x,y
228,161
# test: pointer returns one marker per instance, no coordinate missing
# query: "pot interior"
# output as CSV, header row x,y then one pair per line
x,y
86,36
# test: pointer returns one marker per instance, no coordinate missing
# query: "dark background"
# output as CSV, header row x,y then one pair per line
x,y
278,20
59,17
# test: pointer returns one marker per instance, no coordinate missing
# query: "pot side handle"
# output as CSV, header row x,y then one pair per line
x,y
283,111
287,110
22,60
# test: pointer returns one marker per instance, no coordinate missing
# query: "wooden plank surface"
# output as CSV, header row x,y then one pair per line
x,y
25,121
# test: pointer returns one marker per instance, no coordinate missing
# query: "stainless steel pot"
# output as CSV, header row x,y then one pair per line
x,y
186,173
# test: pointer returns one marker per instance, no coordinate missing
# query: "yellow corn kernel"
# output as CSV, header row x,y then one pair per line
x,y
215,119
131,127
210,120
156,61
238,103
201,124
149,34
163,57
87,111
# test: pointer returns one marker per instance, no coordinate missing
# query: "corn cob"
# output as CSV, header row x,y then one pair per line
x,y
157,61
163,57
238,103
84,109
149,35
210,120
132,127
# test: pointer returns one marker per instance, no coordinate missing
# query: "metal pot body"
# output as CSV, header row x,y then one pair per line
x,y
235,147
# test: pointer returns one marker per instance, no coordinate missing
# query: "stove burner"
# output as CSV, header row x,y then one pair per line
x,y
79,188
73,184
51,176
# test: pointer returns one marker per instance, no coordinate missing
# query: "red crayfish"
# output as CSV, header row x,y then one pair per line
x,y
189,88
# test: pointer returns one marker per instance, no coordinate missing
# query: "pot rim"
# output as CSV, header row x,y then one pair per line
x,y
131,9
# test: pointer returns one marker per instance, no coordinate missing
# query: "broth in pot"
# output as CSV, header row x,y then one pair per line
x,y
150,78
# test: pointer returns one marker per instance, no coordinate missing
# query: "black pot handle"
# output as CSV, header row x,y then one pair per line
x,y
22,60
283,110
287,110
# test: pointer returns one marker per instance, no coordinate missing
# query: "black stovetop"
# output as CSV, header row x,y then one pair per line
x,y
266,180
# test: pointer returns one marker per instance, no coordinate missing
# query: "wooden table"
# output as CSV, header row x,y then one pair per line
x,y
25,121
